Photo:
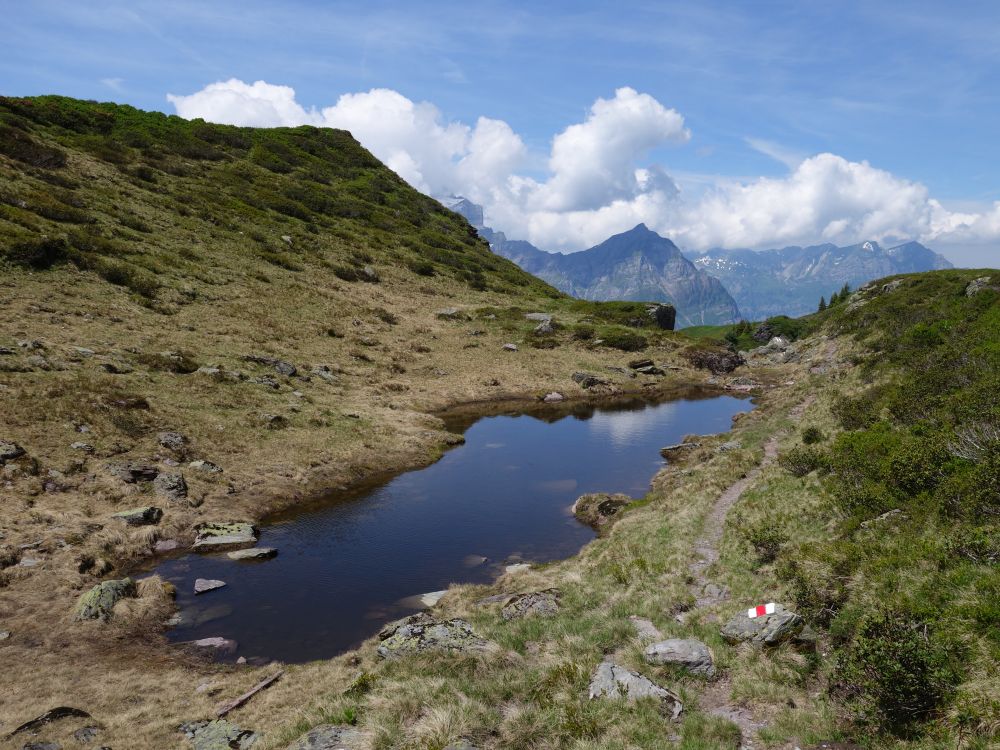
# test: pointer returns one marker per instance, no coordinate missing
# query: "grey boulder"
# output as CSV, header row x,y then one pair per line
x,y
99,603
330,737
171,486
217,735
691,654
766,630
131,473
612,680
174,441
203,585
587,381
544,603
421,632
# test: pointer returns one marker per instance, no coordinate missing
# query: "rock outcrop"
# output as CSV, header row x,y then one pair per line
x,y
330,737
230,535
421,632
599,509
217,735
544,603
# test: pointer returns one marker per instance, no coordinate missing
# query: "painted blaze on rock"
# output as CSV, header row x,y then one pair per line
x,y
421,632
99,603
765,630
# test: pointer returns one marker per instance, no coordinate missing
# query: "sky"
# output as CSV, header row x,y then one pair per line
x,y
716,123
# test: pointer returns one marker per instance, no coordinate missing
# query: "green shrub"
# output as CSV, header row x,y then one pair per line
x,y
812,435
20,146
626,341
898,674
802,460
858,412
38,253
583,332
766,540
422,268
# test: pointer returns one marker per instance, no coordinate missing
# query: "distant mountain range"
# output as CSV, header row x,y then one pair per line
x,y
635,265
711,288
791,280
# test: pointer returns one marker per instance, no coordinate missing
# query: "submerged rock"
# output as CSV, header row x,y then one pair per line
x,y
215,537
218,643
689,653
766,630
217,735
330,737
597,509
146,515
421,632
203,585
254,553
99,603
544,603
611,680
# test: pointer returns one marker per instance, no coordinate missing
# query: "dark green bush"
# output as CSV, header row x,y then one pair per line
x,y
626,341
422,268
20,146
898,674
812,435
38,253
858,412
802,460
583,332
766,540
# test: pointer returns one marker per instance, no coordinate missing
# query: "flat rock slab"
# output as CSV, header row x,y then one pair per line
x,y
216,537
254,553
612,680
691,654
544,603
217,735
99,603
766,630
146,515
421,632
201,585
330,737
220,644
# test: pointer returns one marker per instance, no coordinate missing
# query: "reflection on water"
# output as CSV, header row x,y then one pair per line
x,y
344,567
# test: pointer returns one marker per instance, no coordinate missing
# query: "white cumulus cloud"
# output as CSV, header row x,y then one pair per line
x,y
600,180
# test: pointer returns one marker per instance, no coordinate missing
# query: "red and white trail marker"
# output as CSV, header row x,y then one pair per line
x,y
760,610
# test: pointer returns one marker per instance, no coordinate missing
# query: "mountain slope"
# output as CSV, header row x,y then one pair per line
x,y
635,265
791,280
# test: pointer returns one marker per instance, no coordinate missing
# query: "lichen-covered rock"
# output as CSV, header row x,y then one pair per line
x,y
689,653
174,441
544,603
978,285
206,466
146,515
217,735
99,603
215,537
9,450
598,509
718,361
765,630
330,737
612,680
421,632
173,487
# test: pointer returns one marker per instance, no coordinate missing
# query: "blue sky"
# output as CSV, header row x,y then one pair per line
x,y
911,87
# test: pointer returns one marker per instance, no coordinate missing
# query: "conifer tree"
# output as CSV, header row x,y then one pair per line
x,y
822,304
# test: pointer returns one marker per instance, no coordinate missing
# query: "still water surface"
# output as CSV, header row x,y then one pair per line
x,y
347,566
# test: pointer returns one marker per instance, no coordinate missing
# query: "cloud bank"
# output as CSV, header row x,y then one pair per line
x,y
599,179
